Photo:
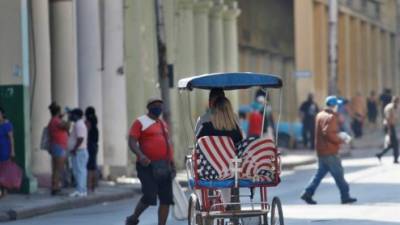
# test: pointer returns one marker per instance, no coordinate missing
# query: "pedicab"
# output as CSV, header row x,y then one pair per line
x,y
216,164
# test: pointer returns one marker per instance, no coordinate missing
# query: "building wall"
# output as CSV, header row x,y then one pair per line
x,y
10,44
366,47
266,43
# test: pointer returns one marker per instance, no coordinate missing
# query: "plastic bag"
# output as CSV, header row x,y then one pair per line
x,y
10,175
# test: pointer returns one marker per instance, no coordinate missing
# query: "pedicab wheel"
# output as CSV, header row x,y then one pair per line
x,y
276,212
194,218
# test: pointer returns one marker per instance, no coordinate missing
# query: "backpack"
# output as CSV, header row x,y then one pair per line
x,y
45,140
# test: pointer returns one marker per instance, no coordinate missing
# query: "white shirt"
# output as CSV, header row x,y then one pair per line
x,y
79,131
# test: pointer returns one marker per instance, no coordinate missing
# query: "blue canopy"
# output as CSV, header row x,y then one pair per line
x,y
230,81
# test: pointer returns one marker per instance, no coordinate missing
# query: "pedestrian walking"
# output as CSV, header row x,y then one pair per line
x,y
7,150
385,98
148,139
390,121
79,152
358,114
327,143
92,146
206,117
58,137
308,111
372,108
344,113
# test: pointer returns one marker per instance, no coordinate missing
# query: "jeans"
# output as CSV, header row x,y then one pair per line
x,y
79,162
394,144
333,165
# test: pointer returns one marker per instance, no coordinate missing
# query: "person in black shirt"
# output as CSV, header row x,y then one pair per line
x,y
308,111
92,146
223,122
372,108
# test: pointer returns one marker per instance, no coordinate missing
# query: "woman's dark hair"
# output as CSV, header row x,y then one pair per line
x,y
90,114
2,112
55,109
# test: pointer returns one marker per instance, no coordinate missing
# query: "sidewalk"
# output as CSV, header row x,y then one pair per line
x,y
17,206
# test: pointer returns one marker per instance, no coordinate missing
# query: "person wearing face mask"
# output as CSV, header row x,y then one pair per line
x,y
79,152
327,144
149,141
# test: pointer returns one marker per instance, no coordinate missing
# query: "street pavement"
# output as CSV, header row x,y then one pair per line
x,y
376,185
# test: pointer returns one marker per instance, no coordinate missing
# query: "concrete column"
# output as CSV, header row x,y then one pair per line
x,y
379,60
201,49
231,46
344,56
373,60
184,67
304,46
364,54
385,82
140,55
355,56
63,53
368,59
114,90
90,61
41,85
389,58
217,63
393,63
321,52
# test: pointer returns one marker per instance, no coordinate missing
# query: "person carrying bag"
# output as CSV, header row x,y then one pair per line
x,y
148,140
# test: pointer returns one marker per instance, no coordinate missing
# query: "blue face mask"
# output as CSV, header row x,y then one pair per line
x,y
156,111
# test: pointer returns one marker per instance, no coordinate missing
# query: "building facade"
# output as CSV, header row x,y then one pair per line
x,y
104,53
290,38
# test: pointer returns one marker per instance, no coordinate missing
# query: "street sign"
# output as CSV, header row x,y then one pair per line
x,y
302,74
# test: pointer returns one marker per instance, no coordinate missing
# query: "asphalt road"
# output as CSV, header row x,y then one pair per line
x,y
377,187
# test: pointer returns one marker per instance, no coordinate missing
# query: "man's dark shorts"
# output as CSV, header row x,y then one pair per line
x,y
151,188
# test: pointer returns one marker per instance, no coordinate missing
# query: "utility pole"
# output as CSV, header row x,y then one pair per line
x,y
162,61
333,20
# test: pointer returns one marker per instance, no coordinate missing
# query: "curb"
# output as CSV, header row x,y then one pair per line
x,y
65,205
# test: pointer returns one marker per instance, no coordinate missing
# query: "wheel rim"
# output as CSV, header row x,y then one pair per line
x,y
276,212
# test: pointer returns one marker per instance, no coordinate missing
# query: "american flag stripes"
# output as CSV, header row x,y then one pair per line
x,y
259,159
215,154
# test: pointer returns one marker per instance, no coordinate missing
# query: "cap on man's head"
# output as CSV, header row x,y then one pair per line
x,y
333,101
77,112
153,100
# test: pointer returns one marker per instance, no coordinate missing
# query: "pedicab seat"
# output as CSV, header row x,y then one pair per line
x,y
213,157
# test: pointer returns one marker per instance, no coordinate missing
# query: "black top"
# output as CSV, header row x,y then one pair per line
x,y
209,130
309,110
93,132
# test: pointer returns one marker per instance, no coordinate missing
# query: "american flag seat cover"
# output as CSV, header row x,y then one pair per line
x,y
259,159
214,154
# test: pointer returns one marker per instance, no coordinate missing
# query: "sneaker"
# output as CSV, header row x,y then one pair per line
x,y
55,192
77,194
130,220
378,156
82,194
308,199
349,200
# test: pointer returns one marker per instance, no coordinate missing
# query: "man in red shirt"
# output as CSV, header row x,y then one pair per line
x,y
148,139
